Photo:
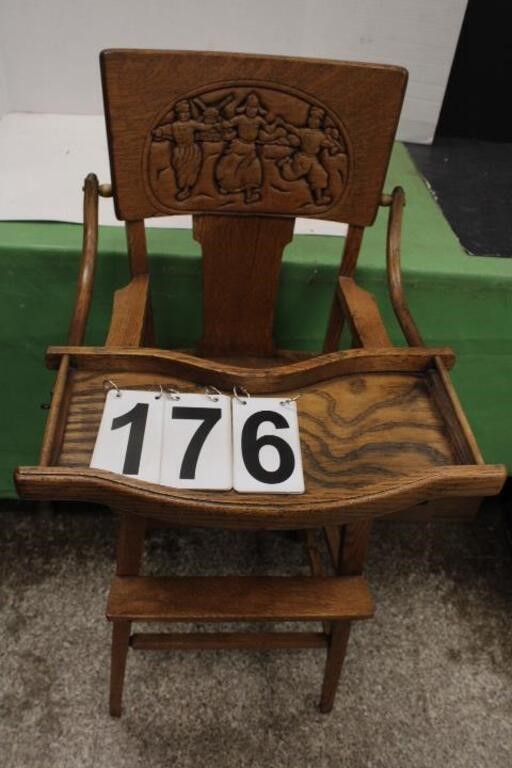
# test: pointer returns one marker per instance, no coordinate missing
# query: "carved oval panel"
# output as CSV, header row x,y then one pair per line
x,y
247,147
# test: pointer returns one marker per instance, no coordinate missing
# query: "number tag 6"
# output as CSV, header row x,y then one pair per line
x,y
267,455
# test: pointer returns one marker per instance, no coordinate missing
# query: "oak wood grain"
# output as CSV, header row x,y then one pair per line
x,y
238,598
274,378
367,440
363,316
119,652
130,545
394,273
56,421
237,134
241,266
355,430
338,642
314,509
137,248
88,260
351,248
130,314
456,420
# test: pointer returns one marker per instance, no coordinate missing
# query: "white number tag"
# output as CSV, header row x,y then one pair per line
x,y
267,455
200,441
197,442
129,440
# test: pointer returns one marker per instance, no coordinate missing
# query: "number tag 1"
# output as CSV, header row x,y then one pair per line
x,y
197,442
121,445
267,455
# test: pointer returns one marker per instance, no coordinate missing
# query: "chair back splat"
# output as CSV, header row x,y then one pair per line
x,y
245,144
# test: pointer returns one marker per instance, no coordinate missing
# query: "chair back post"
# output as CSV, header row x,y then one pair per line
x,y
241,267
351,250
137,248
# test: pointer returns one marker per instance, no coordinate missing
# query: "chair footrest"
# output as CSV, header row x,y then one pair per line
x,y
239,598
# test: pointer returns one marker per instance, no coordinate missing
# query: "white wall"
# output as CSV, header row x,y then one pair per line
x,y
3,89
50,47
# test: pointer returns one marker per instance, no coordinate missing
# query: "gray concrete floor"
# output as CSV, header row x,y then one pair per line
x,y
427,683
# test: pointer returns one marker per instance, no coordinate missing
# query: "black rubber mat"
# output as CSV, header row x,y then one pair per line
x,y
472,181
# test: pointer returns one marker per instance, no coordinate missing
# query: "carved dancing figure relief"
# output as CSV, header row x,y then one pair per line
x,y
306,161
239,168
238,146
186,156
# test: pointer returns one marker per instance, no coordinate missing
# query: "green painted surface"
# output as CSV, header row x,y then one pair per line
x,y
458,300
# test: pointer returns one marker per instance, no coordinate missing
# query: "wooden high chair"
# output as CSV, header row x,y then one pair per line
x,y
245,144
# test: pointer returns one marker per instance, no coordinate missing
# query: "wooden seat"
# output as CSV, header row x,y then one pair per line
x,y
245,144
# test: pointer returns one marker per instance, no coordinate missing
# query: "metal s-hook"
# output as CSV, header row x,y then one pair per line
x,y
212,393
113,385
243,392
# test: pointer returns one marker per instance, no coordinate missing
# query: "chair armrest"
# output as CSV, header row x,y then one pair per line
x,y
87,263
395,286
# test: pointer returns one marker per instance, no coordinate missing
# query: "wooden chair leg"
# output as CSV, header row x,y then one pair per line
x,y
120,643
338,640
130,549
130,545
348,547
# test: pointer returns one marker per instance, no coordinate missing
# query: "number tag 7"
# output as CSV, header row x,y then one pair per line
x,y
197,442
266,443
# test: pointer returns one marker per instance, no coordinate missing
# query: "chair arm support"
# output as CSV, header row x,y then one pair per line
x,y
131,314
395,286
88,262
363,316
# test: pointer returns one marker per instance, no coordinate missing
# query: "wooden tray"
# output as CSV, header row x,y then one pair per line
x,y
381,430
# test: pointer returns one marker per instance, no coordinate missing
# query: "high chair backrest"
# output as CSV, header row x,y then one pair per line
x,y
245,144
